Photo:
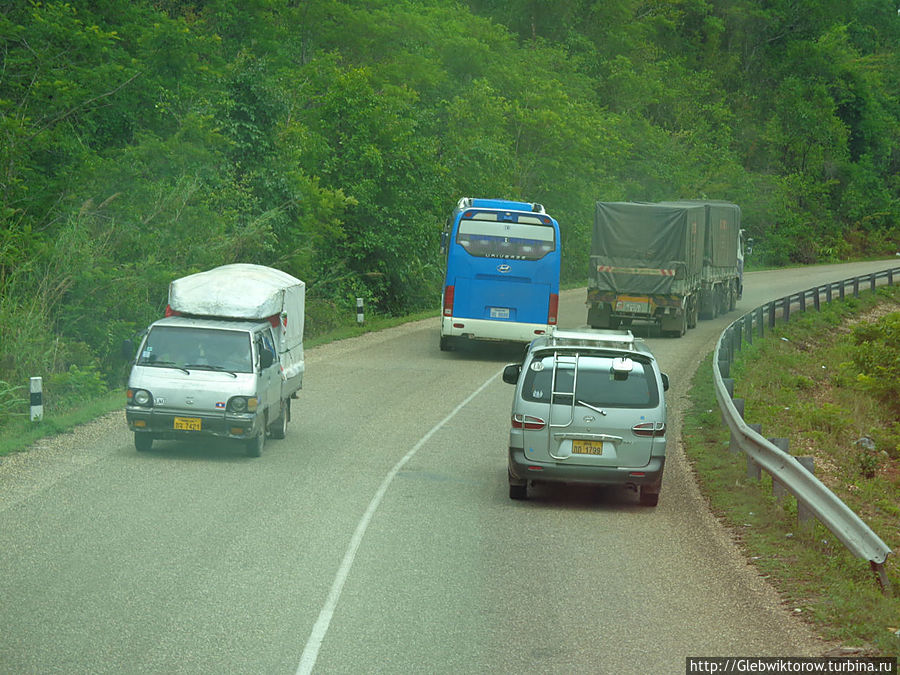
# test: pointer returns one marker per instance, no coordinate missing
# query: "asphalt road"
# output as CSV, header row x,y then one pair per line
x,y
377,537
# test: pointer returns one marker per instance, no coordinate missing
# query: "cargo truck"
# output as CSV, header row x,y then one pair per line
x,y
646,265
225,362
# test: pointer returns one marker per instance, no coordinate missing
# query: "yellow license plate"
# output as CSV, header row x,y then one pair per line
x,y
587,447
187,423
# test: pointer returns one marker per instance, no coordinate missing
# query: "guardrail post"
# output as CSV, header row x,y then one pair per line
x,y
841,293
804,514
760,326
872,282
890,277
787,309
828,293
816,299
724,367
772,314
754,471
855,287
732,443
729,386
881,577
737,336
778,490
802,301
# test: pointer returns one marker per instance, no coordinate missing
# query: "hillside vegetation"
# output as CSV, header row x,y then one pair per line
x,y
141,141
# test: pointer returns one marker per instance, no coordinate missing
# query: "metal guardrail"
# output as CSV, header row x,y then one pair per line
x,y
783,467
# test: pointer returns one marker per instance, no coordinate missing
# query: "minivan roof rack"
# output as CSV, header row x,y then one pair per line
x,y
588,337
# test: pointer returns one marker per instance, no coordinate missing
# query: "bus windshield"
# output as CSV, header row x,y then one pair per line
x,y
514,241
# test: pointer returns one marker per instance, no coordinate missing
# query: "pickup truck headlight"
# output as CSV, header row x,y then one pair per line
x,y
242,404
140,397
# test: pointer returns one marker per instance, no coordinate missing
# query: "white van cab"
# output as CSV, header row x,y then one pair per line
x,y
225,362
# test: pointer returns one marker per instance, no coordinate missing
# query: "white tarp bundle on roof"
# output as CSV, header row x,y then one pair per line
x,y
238,291
244,291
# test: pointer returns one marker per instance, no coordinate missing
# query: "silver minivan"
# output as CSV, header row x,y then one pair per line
x,y
195,377
589,407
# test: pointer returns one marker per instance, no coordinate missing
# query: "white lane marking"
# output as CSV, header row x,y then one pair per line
x,y
314,643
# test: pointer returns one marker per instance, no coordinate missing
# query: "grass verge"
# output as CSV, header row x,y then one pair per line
x,y
801,383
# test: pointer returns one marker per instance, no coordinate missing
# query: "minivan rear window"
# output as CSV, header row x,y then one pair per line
x,y
595,382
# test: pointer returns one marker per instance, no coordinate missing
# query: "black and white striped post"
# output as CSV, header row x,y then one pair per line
x,y
359,311
37,399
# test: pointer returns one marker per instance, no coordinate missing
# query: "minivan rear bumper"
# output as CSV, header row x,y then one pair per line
x,y
522,470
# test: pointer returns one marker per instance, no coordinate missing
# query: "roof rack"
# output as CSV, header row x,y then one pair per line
x,y
589,337
502,204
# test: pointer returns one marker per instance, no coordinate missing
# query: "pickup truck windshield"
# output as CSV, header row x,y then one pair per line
x,y
197,348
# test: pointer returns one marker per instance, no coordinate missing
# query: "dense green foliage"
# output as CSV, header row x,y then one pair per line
x,y
877,357
144,140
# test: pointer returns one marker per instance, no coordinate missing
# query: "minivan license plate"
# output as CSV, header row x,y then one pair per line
x,y
587,447
187,423
499,312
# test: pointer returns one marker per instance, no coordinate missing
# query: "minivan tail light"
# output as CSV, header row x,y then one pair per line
x,y
527,422
552,312
649,429
448,300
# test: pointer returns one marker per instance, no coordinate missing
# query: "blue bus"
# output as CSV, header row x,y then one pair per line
x,y
502,272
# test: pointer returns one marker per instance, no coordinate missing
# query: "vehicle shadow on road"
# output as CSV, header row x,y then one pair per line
x,y
199,450
495,352
583,497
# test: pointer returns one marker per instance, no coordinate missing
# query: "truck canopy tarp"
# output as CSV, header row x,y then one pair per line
x,y
722,229
645,248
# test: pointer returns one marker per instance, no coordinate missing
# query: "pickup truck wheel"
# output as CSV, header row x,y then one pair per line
x,y
143,442
278,428
255,446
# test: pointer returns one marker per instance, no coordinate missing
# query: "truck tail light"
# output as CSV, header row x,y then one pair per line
x,y
527,422
649,429
448,301
552,312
